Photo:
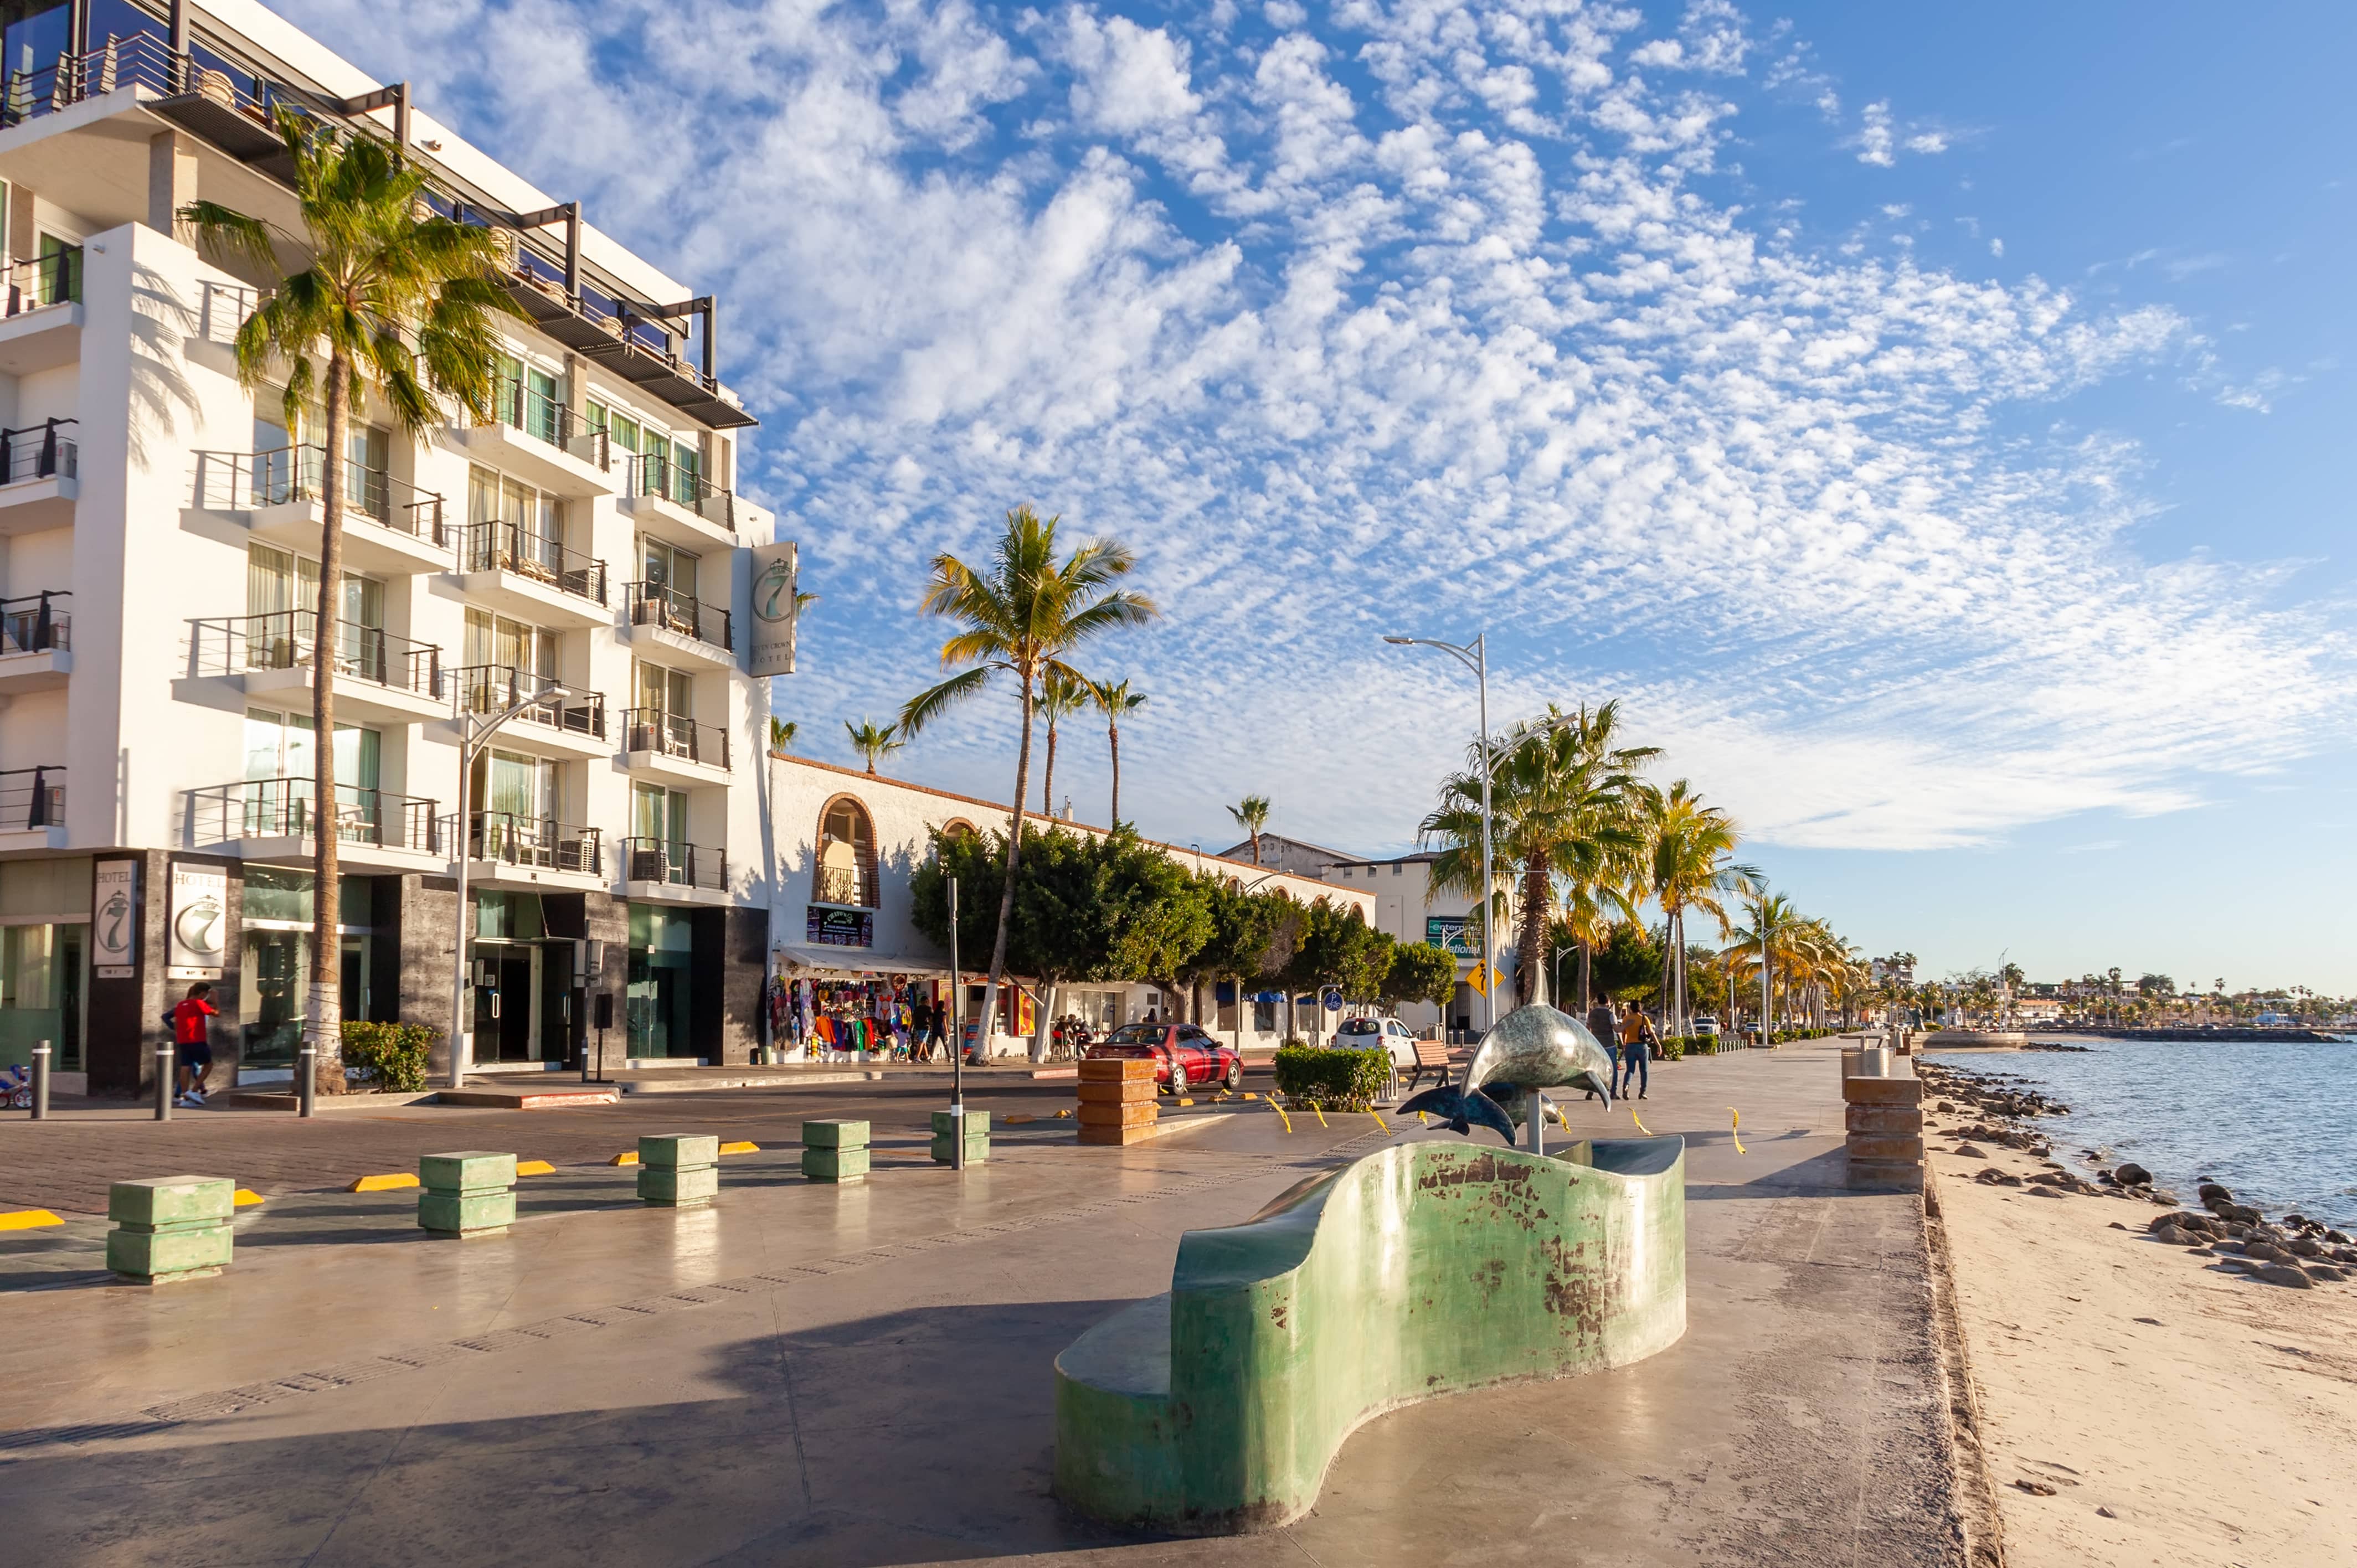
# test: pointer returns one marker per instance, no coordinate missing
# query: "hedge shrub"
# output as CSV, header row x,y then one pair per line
x,y
1335,1080
390,1057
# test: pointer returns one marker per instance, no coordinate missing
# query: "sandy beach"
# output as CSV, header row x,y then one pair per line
x,y
2138,1404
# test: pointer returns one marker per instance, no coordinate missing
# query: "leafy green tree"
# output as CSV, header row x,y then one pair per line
x,y
402,307
1628,966
1021,615
1156,915
1421,972
1246,929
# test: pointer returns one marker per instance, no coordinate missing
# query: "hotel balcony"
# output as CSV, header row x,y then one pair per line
x,y
515,849
665,746
32,808
275,821
379,676
678,504
42,326
680,873
661,617
506,567
571,725
537,438
391,527
38,475
36,642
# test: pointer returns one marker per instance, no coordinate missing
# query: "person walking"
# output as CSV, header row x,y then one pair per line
x,y
1630,1067
1649,1041
940,1029
192,1043
1600,1024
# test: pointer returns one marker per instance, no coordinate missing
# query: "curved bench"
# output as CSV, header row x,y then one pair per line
x,y
1424,1269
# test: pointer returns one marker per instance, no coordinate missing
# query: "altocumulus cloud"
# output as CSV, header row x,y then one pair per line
x,y
1404,317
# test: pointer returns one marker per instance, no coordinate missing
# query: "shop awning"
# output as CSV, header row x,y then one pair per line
x,y
853,963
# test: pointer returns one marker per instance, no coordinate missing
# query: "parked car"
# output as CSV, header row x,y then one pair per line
x,y
1184,1055
1371,1034
1706,1025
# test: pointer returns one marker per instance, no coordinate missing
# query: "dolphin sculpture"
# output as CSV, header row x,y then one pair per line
x,y
1531,1047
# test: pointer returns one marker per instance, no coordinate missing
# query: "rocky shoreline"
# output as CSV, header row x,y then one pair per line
x,y
2295,1251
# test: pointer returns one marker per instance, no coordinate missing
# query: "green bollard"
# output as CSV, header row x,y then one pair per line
x,y
679,1170
465,1196
977,1137
834,1151
169,1228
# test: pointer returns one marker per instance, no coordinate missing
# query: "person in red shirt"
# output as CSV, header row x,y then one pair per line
x,y
192,1041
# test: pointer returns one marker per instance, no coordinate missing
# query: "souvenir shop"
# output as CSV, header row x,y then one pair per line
x,y
853,1015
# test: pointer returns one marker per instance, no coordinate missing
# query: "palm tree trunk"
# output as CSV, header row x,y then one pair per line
x,y
1048,780
1534,928
1669,971
1006,893
1113,736
323,1014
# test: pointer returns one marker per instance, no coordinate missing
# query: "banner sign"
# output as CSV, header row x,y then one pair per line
x,y
115,917
1451,931
840,927
772,646
199,927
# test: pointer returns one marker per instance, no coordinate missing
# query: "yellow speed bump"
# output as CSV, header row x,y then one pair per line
x,y
28,1219
1184,1099
246,1198
740,1147
1250,1095
383,1183
534,1167
1015,1121
628,1157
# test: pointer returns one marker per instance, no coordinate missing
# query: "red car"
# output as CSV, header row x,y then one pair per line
x,y
1184,1055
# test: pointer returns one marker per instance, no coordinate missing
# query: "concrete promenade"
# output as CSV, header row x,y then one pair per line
x,y
805,1374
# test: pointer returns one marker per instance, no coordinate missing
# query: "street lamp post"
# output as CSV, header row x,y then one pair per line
x,y
475,732
1475,656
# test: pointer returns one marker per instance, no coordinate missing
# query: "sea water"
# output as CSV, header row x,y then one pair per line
x,y
2275,1120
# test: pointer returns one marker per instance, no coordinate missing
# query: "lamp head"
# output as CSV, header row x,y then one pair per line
x,y
1402,641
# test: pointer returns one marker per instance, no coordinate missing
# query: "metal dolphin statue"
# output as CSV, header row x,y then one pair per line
x,y
1531,1047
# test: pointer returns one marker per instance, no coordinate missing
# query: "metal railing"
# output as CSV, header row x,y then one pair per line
x,y
652,603
241,481
39,452
672,735
39,280
509,547
286,808
32,798
223,308
34,625
540,416
491,688
680,864
282,639
520,838
143,58
682,486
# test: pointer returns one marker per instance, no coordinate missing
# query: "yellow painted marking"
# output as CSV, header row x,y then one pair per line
x,y
244,1199
534,1167
1273,1105
1422,1120
1640,1126
1184,1099
383,1183
1736,1128
1320,1111
1064,1114
1378,1121
28,1219
1250,1095
740,1147
630,1158
1015,1121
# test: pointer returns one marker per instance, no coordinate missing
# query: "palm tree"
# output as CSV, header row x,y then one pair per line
x,y
404,309
1688,869
1060,696
1112,700
1252,815
782,733
872,743
1770,936
1022,614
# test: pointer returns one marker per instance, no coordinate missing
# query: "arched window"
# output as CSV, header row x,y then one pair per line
x,y
957,827
846,872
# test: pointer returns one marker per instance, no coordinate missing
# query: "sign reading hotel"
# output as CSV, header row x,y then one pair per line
x,y
772,646
840,927
1449,931
199,929
115,917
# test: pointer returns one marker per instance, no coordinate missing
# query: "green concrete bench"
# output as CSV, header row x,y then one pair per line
x,y
1424,1269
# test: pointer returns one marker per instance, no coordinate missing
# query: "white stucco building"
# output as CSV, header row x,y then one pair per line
x,y
159,531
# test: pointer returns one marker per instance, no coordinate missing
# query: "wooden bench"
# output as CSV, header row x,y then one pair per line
x,y
1432,1056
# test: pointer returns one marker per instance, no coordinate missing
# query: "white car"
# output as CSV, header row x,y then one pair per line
x,y
1367,1034
1706,1025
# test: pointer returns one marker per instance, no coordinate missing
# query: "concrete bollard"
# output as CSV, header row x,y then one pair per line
x,y
464,1196
1883,1121
1117,1103
977,1137
679,1170
169,1228
834,1151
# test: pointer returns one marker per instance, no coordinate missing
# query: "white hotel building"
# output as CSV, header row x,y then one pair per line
x,y
158,536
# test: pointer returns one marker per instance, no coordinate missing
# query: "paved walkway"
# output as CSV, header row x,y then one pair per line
x,y
860,1376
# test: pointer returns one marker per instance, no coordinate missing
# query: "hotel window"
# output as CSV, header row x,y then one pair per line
x,y
282,594
530,537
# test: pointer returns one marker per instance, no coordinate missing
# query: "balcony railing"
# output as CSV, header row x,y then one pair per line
x,y
241,481
491,688
34,624
680,864
518,838
282,639
32,798
509,547
543,418
652,603
286,808
682,486
670,734
43,451
36,281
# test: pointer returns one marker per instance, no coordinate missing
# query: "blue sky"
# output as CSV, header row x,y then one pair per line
x,y
1928,425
